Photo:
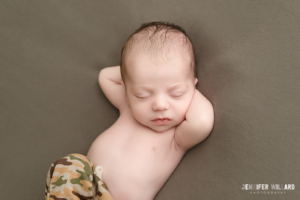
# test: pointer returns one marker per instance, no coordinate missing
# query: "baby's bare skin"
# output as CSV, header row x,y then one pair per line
x,y
136,160
137,155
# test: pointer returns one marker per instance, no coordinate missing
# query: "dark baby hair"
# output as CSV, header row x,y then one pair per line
x,y
152,39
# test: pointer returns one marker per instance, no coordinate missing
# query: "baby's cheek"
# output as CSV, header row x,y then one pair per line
x,y
139,106
181,110
139,112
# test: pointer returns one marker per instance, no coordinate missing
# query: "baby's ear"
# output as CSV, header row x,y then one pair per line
x,y
196,81
122,83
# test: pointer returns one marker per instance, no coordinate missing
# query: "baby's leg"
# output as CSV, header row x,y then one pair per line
x,y
74,177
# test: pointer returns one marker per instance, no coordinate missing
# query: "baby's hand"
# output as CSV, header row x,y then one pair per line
x,y
110,83
198,122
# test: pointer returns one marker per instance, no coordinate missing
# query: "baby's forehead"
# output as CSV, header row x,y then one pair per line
x,y
142,71
153,75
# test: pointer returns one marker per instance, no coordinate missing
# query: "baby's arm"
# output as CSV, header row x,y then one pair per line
x,y
110,83
198,123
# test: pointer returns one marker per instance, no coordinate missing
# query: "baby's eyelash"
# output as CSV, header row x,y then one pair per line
x,y
176,95
141,97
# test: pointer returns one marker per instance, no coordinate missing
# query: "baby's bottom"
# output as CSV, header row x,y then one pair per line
x,y
74,177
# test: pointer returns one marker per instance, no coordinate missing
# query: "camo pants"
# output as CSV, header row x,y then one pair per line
x,y
74,177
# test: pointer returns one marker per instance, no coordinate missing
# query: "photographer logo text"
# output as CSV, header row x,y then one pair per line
x,y
268,188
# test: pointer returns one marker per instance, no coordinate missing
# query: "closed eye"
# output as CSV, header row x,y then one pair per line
x,y
179,95
141,97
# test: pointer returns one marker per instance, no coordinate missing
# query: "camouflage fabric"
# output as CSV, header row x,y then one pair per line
x,y
74,177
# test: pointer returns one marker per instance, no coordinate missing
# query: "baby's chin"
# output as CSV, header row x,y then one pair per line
x,y
162,128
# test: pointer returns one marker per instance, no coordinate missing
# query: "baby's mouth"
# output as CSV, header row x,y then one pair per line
x,y
160,121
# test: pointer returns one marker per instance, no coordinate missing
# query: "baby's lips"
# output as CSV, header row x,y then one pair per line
x,y
161,119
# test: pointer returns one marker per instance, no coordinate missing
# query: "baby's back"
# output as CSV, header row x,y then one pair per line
x,y
136,160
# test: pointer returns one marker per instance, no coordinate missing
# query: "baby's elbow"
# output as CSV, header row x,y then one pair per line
x,y
209,118
209,126
205,126
210,122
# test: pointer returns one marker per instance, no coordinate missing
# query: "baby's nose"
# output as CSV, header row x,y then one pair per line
x,y
160,104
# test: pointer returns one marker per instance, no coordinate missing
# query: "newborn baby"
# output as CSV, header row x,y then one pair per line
x,y
162,114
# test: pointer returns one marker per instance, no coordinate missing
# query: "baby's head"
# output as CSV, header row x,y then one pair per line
x,y
158,70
